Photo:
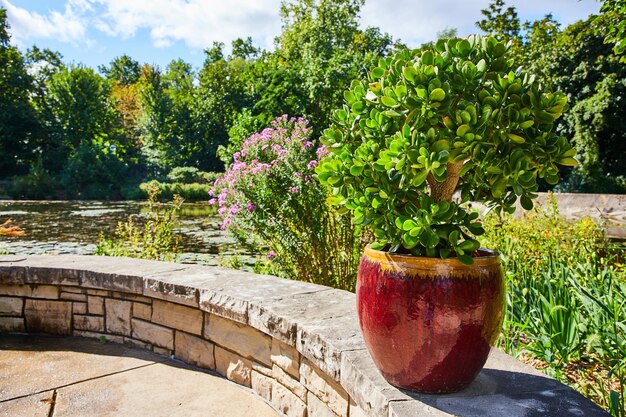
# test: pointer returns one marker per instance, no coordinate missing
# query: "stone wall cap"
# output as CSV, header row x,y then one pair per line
x,y
320,322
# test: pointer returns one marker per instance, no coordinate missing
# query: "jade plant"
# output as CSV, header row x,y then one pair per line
x,y
433,129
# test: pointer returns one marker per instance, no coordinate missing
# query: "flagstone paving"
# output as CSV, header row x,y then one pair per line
x,y
65,376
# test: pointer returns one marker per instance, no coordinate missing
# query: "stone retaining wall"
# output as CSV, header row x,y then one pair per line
x,y
610,208
295,344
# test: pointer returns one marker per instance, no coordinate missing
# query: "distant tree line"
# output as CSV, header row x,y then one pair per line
x,y
70,131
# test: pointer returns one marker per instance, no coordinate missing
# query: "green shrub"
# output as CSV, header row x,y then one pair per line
x,y
426,124
185,175
152,238
190,192
244,125
268,198
133,192
38,184
92,172
210,177
565,298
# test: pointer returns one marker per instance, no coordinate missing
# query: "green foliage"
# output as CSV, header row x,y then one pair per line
x,y
190,192
244,125
587,70
598,139
430,122
160,119
543,231
268,198
185,175
152,238
168,124
78,99
18,120
92,173
321,48
502,23
244,49
123,70
577,61
617,27
38,184
566,292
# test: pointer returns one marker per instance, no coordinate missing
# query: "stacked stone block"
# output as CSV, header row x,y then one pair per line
x,y
297,345
274,369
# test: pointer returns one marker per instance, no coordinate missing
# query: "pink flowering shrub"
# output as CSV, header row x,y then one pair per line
x,y
269,197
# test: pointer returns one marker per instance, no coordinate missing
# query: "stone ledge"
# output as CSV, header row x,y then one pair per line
x,y
296,344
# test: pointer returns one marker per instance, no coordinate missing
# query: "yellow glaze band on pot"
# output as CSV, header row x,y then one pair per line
x,y
433,267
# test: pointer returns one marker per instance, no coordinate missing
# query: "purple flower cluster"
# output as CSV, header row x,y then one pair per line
x,y
274,164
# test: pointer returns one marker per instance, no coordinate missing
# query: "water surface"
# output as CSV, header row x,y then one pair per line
x,y
73,227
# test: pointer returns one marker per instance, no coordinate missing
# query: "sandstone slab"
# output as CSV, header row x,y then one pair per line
x,y
11,306
142,311
261,384
36,405
286,357
12,269
287,402
244,340
95,305
109,380
71,296
233,366
179,317
79,308
12,324
317,408
46,316
194,350
287,380
364,383
152,333
32,291
325,388
118,315
89,323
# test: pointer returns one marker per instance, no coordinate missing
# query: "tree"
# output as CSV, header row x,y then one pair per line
x,y
223,91
124,70
244,49
81,120
576,60
214,53
18,121
616,25
587,70
500,22
320,51
155,123
79,99
504,24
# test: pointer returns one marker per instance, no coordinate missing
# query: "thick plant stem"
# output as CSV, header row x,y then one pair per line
x,y
440,191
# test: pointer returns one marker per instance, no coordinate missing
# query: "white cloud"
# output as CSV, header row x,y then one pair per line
x,y
418,21
196,22
68,26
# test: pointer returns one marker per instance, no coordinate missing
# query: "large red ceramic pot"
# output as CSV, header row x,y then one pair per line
x,y
429,323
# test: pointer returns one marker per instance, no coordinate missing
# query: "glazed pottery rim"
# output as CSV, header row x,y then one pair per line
x,y
422,262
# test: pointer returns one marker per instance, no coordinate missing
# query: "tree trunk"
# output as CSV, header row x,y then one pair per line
x,y
443,190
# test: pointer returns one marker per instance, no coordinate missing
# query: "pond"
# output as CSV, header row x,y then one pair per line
x,y
73,227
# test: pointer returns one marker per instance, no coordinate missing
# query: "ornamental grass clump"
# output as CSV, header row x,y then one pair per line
x,y
430,124
269,199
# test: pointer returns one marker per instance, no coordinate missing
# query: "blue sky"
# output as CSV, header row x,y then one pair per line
x,y
93,32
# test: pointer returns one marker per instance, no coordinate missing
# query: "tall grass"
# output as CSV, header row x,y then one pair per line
x,y
149,238
566,301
